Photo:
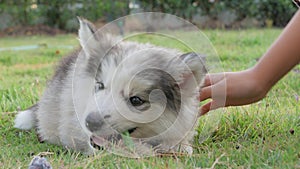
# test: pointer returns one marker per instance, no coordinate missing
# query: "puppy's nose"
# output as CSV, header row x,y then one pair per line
x,y
94,121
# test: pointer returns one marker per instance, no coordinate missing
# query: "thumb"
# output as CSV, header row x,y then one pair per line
x,y
205,108
209,106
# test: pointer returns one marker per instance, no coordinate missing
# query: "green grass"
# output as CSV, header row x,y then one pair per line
x,y
253,136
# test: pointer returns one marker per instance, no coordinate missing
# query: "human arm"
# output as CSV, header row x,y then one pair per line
x,y
249,86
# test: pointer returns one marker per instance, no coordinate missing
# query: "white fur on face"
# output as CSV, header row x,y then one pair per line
x,y
121,81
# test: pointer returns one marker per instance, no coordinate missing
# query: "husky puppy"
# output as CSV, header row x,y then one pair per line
x,y
109,87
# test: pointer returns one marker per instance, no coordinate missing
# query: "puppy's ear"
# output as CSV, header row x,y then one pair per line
x,y
86,31
193,70
93,42
87,37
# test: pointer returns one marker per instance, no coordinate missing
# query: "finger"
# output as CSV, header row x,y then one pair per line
x,y
205,108
210,106
211,79
207,81
205,93
216,91
215,105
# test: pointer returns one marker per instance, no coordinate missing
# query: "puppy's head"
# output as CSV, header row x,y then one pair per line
x,y
138,89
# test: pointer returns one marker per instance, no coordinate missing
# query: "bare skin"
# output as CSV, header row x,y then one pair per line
x,y
251,85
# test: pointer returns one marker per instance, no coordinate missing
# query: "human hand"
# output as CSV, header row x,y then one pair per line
x,y
249,86
231,89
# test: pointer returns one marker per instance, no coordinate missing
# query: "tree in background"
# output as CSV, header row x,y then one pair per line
x,y
279,11
18,11
185,9
62,14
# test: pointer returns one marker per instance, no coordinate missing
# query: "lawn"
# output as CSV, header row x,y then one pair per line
x,y
262,135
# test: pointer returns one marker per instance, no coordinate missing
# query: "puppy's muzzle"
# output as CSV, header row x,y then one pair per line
x,y
94,121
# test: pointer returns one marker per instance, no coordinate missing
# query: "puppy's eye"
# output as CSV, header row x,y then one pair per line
x,y
136,101
99,86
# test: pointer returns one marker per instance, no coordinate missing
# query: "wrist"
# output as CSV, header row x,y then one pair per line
x,y
259,82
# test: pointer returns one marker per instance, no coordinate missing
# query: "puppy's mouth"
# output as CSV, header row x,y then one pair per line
x,y
100,142
130,131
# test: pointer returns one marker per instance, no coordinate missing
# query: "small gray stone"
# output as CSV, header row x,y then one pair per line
x,y
39,163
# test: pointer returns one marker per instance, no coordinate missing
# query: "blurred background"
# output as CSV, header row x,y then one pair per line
x,y
27,17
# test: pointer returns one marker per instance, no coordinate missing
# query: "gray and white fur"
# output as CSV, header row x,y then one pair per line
x,y
110,86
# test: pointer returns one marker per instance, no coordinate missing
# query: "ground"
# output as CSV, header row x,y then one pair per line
x,y
262,135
